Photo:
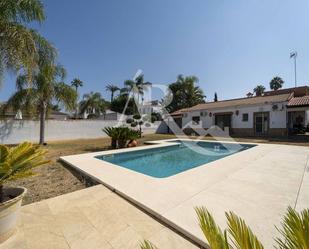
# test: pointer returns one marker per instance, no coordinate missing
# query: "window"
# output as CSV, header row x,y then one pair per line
x,y
245,117
195,120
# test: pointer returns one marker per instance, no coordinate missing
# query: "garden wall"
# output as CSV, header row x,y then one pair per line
x,y
16,131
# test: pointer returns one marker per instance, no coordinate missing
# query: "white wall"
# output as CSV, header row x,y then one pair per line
x,y
16,131
277,118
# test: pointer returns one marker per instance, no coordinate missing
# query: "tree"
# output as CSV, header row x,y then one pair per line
x,y
276,83
259,90
184,93
19,44
92,103
123,102
46,87
135,87
215,98
112,88
76,83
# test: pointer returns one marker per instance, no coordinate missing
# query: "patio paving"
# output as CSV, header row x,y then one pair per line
x,y
92,218
258,184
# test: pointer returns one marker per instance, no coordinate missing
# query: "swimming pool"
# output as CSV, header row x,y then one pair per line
x,y
170,160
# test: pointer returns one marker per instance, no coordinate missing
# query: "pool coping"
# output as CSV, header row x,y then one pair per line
x,y
118,180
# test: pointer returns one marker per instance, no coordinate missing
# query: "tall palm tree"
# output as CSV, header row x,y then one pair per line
x,y
46,87
112,88
135,87
76,83
92,103
276,83
19,44
259,90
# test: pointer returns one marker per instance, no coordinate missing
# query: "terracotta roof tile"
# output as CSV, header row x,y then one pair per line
x,y
299,101
237,102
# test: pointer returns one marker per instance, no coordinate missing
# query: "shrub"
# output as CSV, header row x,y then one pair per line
x,y
120,135
130,120
134,124
18,162
136,116
92,116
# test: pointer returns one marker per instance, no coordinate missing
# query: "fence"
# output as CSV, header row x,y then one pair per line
x,y
16,131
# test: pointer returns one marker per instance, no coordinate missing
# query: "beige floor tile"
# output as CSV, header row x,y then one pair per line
x,y
38,239
17,241
168,239
127,239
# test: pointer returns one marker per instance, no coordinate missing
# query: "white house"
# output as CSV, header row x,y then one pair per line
x,y
149,107
276,113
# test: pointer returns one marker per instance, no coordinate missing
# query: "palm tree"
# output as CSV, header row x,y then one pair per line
x,y
19,44
276,83
92,103
184,93
135,87
76,83
259,90
46,87
112,88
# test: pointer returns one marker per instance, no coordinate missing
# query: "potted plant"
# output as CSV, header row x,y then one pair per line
x,y
132,136
15,162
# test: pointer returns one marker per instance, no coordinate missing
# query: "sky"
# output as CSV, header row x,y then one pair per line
x,y
231,46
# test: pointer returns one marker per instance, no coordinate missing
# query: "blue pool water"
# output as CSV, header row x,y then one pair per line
x,y
167,161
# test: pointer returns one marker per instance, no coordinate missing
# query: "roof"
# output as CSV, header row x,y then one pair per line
x,y
299,101
298,91
237,102
53,112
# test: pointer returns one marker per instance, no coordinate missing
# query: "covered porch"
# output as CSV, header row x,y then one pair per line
x,y
298,115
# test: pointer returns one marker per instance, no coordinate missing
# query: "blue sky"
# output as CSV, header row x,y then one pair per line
x,y
230,45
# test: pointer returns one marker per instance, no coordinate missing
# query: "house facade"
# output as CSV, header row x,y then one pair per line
x,y
276,113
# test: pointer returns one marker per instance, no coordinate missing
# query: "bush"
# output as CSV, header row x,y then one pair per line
x,y
120,135
134,124
130,120
137,116
92,116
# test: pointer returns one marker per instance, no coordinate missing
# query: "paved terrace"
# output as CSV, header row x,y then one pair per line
x,y
93,218
258,184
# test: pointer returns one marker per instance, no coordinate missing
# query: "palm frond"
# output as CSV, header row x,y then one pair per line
x,y
18,161
22,10
147,245
295,230
65,95
214,235
241,235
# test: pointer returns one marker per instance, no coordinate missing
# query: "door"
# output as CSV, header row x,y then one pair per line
x,y
261,123
223,120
